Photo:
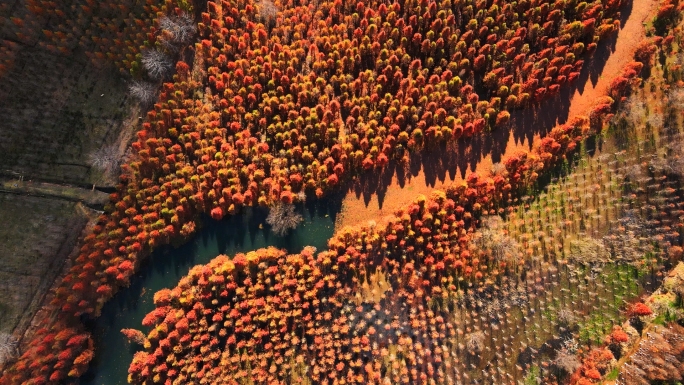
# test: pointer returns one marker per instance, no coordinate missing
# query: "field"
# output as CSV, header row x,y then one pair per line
x,y
55,119
34,248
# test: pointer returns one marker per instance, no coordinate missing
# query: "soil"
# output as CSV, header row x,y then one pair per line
x,y
58,110
43,233
366,201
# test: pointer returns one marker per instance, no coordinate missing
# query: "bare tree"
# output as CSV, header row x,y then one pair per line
x,y
669,165
634,172
267,11
157,63
676,96
493,239
566,361
283,218
145,92
498,169
8,347
674,282
106,159
630,243
659,357
566,318
655,120
177,30
475,342
673,163
635,110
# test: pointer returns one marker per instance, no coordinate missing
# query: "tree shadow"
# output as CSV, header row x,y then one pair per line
x,y
456,158
242,232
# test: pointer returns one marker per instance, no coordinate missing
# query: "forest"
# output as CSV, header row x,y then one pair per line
x,y
558,263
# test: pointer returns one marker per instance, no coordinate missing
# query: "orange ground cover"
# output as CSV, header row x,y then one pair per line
x,y
359,207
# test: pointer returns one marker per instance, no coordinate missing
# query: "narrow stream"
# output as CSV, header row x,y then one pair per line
x,y
241,233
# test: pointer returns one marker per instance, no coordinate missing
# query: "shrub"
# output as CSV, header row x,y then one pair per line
x,y
639,309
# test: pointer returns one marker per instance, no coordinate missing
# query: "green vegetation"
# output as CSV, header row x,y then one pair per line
x,y
533,376
613,374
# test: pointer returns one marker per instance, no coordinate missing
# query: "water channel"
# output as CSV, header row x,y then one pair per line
x,y
240,233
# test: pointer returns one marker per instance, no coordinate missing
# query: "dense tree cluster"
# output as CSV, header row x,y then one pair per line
x,y
431,237
54,355
188,162
272,110
594,366
242,325
270,318
266,316
322,91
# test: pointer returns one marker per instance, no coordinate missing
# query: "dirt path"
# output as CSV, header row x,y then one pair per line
x,y
91,198
633,349
358,207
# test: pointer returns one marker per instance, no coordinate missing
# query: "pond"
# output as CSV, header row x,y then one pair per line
x,y
240,233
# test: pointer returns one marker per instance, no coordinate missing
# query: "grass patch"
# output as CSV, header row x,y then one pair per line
x,y
613,374
533,376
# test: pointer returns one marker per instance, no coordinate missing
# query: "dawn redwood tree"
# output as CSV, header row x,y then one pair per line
x,y
260,121
636,312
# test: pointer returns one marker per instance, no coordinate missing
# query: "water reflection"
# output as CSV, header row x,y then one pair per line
x,y
167,265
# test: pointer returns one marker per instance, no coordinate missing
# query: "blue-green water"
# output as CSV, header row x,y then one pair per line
x,y
241,233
